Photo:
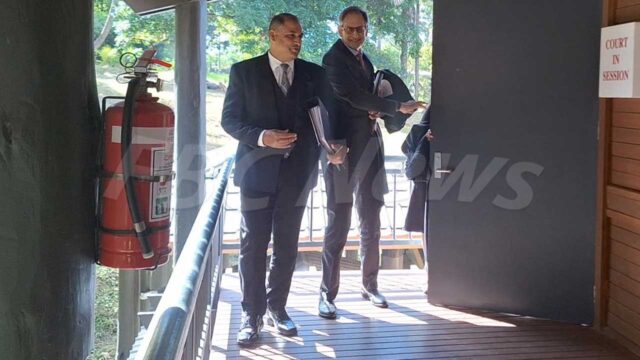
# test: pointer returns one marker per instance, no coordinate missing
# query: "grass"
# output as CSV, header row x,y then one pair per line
x,y
106,312
218,78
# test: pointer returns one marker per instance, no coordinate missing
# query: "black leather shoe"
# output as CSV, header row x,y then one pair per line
x,y
326,308
375,297
282,322
249,330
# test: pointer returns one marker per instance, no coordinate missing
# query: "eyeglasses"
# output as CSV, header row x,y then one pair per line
x,y
353,30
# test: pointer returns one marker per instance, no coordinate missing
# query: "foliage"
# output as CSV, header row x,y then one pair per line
x,y
247,21
106,313
100,13
218,77
237,29
135,33
107,55
139,33
388,57
393,34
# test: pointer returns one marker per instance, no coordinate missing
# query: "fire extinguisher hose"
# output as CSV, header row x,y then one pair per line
x,y
127,169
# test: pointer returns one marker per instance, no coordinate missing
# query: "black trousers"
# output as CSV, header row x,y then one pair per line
x,y
264,214
362,177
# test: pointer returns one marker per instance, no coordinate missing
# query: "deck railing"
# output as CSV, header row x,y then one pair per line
x,y
182,324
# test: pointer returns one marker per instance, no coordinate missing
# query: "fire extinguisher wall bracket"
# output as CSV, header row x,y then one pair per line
x,y
160,178
132,232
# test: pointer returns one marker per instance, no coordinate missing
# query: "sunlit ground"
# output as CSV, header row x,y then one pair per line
x,y
410,322
411,328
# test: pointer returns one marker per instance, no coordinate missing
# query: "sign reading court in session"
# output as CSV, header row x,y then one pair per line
x,y
620,61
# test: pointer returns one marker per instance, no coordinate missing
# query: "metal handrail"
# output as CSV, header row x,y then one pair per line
x,y
173,320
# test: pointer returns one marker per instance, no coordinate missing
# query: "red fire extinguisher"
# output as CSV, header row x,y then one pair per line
x,y
135,186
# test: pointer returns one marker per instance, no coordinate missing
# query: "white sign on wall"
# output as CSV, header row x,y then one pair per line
x,y
620,61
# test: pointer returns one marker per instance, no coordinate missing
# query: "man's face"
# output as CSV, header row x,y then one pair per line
x,y
353,30
286,41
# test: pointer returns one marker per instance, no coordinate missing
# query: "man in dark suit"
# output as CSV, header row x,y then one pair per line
x,y
351,75
276,166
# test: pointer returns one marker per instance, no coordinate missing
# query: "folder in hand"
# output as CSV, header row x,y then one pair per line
x,y
319,117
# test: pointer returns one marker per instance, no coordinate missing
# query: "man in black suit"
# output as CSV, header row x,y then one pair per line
x,y
351,75
276,167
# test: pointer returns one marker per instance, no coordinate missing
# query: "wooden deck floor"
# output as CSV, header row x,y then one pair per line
x,y
410,328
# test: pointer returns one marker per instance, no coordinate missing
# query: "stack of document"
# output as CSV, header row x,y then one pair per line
x,y
319,116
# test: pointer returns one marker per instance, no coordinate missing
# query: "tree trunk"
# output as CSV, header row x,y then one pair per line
x,y
404,56
106,29
48,134
404,43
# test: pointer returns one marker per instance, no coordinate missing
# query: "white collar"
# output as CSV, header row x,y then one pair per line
x,y
275,63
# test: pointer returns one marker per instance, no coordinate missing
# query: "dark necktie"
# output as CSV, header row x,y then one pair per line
x,y
284,78
361,60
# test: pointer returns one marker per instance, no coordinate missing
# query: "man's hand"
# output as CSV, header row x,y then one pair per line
x,y
409,107
374,115
429,136
340,152
278,139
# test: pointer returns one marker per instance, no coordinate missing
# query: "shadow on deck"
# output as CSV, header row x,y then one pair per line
x,y
410,328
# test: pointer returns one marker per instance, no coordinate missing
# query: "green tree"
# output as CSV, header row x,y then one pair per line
x,y
397,29
100,14
130,32
106,19
247,22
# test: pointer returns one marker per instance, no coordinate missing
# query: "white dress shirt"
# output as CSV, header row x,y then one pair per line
x,y
277,69
277,73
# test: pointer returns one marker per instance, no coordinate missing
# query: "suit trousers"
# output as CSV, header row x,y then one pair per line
x,y
264,214
362,176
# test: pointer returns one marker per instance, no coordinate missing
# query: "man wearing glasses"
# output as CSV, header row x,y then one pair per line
x,y
351,75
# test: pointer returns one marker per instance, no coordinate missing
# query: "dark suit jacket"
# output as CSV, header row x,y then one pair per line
x,y
254,102
416,148
353,88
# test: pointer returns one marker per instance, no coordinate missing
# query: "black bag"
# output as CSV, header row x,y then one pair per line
x,y
401,93
416,148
